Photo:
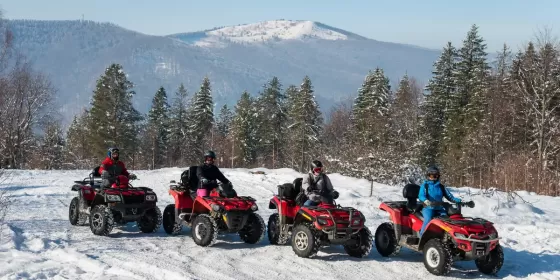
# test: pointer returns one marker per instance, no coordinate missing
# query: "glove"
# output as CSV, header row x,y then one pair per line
x,y
427,202
132,177
204,181
309,189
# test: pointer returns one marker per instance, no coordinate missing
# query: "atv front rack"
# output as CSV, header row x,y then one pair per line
x,y
334,232
470,239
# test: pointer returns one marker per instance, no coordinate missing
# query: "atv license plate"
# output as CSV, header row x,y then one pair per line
x,y
479,252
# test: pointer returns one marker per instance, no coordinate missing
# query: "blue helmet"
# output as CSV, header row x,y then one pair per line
x,y
111,150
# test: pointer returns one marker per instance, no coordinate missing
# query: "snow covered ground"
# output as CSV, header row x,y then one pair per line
x,y
38,241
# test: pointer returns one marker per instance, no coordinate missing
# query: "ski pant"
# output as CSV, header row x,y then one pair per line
x,y
326,199
428,214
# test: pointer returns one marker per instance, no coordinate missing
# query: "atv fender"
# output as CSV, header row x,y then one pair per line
x,y
302,216
435,229
272,204
98,200
396,218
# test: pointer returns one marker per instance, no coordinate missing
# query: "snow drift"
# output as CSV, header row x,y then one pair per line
x,y
38,242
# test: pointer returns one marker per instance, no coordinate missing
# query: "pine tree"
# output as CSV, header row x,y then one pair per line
x,y
52,146
306,125
405,119
202,119
224,121
158,130
271,128
442,86
112,120
179,128
78,147
243,136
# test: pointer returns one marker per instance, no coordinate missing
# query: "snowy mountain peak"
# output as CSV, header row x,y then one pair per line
x,y
266,31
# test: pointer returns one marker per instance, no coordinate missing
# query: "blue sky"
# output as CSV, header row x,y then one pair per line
x,y
427,23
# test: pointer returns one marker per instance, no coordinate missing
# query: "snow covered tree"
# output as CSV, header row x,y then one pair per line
x,y
242,131
52,146
113,120
271,128
202,119
441,87
305,127
405,116
371,108
179,136
158,130
78,152
222,135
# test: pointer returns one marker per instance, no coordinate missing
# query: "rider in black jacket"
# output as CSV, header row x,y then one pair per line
x,y
208,173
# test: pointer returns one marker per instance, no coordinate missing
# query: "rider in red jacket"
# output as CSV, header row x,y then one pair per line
x,y
111,167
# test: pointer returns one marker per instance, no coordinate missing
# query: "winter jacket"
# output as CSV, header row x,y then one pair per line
x,y
210,172
319,186
114,168
436,192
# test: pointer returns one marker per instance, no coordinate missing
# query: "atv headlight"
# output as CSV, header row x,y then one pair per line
x,y
113,197
150,197
216,207
322,221
493,235
356,222
254,207
460,235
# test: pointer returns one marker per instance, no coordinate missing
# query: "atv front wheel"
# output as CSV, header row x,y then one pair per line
x,y
170,224
305,241
275,235
253,231
76,218
101,220
151,221
491,263
204,230
362,247
386,241
437,257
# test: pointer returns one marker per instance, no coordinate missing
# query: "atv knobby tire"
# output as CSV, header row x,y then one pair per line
x,y
437,257
76,218
253,231
204,230
491,263
171,225
305,240
363,246
151,221
101,220
386,241
274,234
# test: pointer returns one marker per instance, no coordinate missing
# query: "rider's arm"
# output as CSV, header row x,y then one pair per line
x,y
124,171
422,193
221,176
450,197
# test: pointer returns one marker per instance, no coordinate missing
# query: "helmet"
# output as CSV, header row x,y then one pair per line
x,y
111,150
316,166
433,170
210,154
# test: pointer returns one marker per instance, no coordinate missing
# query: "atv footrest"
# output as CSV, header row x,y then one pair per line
x,y
412,240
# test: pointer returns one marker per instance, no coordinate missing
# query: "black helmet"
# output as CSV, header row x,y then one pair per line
x,y
432,170
210,154
316,164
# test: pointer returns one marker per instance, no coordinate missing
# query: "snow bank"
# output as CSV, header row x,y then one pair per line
x,y
39,243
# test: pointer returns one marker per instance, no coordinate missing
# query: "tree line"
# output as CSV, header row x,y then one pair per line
x,y
484,123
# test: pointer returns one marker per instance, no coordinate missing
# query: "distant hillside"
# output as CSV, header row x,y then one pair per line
x,y
75,53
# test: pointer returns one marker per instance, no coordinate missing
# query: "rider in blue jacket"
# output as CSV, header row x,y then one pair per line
x,y
433,198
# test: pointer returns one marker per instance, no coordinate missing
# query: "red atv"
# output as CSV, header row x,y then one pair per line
x,y
118,205
446,239
207,216
314,226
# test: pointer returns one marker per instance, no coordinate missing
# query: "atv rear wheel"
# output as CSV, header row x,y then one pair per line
x,y
386,241
362,247
101,220
171,225
305,241
76,218
253,231
204,230
151,221
491,263
437,257
275,235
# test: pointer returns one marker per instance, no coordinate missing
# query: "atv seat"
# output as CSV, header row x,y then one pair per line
x,y
95,172
410,192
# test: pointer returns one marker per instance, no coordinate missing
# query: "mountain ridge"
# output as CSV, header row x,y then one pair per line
x,y
75,53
